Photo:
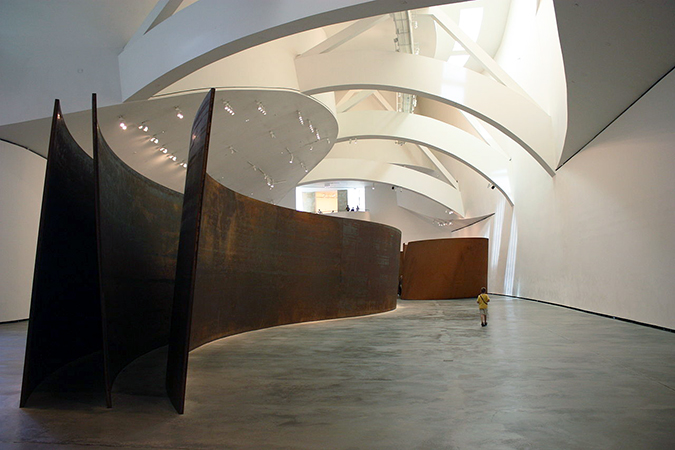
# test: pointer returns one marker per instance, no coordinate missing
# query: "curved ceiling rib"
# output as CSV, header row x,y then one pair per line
x,y
383,151
516,116
422,130
218,29
331,169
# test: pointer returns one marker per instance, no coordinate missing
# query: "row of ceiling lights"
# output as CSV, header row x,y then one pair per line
x,y
261,109
143,126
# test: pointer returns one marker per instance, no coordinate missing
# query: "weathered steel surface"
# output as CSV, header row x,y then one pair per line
x,y
138,228
181,320
261,265
445,268
245,265
65,315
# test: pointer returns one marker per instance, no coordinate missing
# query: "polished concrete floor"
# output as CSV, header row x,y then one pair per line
x,y
425,376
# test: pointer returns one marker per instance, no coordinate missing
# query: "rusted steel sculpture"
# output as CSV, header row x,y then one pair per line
x,y
138,223
444,268
65,312
125,266
251,265
105,266
186,266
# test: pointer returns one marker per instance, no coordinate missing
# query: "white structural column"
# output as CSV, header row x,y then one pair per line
x,y
515,115
380,172
425,131
209,30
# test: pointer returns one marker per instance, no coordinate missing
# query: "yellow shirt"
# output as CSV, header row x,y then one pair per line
x,y
483,300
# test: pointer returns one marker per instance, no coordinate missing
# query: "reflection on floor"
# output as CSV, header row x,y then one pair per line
x,y
425,376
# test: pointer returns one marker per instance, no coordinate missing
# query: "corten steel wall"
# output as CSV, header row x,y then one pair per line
x,y
97,306
186,265
111,245
256,265
260,265
445,268
65,315
138,228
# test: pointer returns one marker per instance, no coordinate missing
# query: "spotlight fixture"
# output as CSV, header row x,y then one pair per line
x,y
290,153
173,158
304,167
311,149
179,114
232,150
228,108
318,136
123,125
143,127
311,127
261,108
272,135
154,139
302,121
163,150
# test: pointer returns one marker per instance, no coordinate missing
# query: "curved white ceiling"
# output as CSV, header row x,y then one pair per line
x,y
459,144
214,43
513,114
210,30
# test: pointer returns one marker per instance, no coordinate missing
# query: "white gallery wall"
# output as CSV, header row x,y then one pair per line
x,y
21,180
599,235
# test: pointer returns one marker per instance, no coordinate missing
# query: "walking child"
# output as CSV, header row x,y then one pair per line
x,y
483,301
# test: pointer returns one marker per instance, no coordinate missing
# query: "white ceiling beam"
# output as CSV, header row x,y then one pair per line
x,y
383,150
484,133
476,51
353,100
345,35
347,96
383,101
162,10
441,168
432,133
517,116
